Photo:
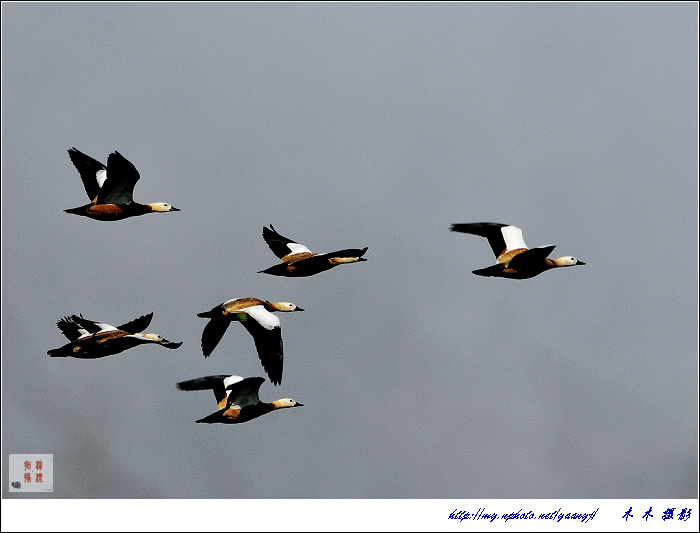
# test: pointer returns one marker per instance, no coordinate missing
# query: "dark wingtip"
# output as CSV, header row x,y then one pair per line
x,y
460,228
207,351
172,345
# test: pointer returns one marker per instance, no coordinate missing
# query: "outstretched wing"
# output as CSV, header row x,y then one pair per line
x,y
529,259
118,188
91,325
267,334
282,246
214,383
341,256
501,237
245,392
213,331
71,329
92,172
138,324
169,344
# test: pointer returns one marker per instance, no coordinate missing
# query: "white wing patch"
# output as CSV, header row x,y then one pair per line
x,y
101,176
513,237
105,327
83,333
230,381
296,248
263,317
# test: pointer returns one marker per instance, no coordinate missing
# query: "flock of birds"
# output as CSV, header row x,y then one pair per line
x,y
110,189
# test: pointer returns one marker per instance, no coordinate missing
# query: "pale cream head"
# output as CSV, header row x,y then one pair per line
x,y
286,306
150,336
162,207
285,402
567,261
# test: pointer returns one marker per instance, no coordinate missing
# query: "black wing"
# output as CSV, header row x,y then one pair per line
x,y
169,344
214,383
90,325
122,176
277,243
88,169
268,343
137,325
529,259
213,331
348,252
245,392
490,230
69,328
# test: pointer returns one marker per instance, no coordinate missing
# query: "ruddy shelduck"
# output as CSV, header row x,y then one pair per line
x,y
513,258
256,316
298,260
236,397
111,188
92,340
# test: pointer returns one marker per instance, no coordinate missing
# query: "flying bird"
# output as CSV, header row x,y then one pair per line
x,y
236,397
513,258
256,316
111,188
92,340
298,260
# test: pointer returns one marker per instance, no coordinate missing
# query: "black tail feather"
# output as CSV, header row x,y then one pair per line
x,y
211,419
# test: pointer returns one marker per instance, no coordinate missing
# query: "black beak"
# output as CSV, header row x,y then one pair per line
x,y
172,208
580,262
299,405
298,309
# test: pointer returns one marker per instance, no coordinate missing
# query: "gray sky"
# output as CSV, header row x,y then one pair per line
x,y
348,126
